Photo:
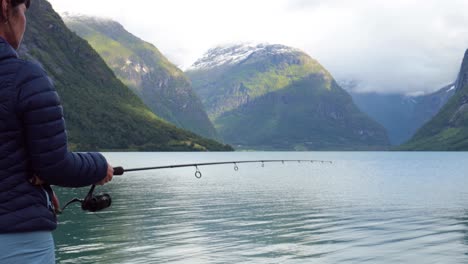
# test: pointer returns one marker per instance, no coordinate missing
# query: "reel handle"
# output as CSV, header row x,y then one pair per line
x,y
119,170
96,202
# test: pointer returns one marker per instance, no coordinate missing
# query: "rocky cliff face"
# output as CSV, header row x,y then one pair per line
x,y
160,84
462,79
276,97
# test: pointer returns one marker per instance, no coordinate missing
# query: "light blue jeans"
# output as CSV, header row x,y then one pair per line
x,y
27,248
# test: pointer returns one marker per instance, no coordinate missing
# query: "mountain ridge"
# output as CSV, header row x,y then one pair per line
x,y
162,86
253,78
448,130
462,78
100,112
276,97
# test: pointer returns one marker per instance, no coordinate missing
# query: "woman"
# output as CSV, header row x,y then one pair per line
x,y
33,148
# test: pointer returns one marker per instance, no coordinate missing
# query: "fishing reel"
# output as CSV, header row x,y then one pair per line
x,y
92,203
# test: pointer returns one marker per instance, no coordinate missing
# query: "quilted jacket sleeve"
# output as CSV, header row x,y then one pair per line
x,y
45,138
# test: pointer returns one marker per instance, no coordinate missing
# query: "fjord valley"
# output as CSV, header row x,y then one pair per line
x,y
162,86
401,115
434,121
295,138
251,96
262,96
100,111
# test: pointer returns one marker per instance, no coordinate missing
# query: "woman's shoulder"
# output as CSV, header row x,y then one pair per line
x,y
30,77
17,71
29,69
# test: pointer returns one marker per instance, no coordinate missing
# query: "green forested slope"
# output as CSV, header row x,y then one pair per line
x,y
100,111
140,65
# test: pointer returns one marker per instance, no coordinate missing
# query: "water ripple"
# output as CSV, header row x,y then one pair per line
x,y
363,210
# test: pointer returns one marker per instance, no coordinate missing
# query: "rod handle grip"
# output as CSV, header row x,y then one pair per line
x,y
119,170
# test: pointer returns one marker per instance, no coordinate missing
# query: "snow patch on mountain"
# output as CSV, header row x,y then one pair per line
x,y
236,53
71,16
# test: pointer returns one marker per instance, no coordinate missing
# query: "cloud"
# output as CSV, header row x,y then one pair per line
x,y
407,46
392,46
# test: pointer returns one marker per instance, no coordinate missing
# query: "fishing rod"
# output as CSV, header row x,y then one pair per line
x,y
121,170
94,203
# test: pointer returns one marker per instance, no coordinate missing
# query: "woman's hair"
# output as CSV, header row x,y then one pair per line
x,y
16,3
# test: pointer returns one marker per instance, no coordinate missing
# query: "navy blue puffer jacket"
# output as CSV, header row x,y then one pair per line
x,y
33,141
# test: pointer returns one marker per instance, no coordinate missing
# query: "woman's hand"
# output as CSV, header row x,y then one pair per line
x,y
108,178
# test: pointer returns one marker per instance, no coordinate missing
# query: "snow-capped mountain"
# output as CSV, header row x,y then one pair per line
x,y
274,97
237,53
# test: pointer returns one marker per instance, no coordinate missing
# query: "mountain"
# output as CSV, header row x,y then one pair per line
x,y
448,130
101,113
401,115
140,65
279,98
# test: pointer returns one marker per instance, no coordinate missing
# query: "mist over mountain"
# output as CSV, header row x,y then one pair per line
x,y
101,113
140,65
401,115
262,96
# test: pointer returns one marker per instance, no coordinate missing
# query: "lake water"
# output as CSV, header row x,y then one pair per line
x,y
367,207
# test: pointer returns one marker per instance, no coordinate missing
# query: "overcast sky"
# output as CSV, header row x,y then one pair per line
x,y
408,46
